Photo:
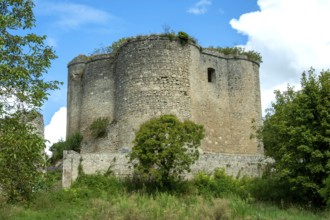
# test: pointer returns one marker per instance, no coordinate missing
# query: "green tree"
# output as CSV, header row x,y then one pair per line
x,y
164,148
24,58
296,133
21,159
72,142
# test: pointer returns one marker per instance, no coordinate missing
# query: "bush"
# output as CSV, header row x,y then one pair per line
x,y
73,142
57,150
183,37
274,189
220,185
98,185
164,148
325,191
99,127
271,189
49,181
21,159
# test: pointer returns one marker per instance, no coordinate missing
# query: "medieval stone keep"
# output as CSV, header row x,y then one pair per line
x,y
154,75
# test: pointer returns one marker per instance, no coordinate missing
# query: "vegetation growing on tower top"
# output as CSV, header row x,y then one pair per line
x,y
183,38
238,51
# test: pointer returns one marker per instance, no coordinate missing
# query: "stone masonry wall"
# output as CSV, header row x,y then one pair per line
x,y
91,95
228,104
76,70
210,101
98,92
152,75
245,107
117,162
152,78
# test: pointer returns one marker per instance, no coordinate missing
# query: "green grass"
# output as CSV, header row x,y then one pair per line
x,y
127,206
106,197
243,210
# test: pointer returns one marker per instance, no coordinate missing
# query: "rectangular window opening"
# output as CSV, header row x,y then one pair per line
x,y
210,74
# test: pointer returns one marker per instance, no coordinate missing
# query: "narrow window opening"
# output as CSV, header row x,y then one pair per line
x,y
210,74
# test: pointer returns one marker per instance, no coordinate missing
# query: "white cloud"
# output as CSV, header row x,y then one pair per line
x,y
56,129
72,15
291,36
200,7
267,95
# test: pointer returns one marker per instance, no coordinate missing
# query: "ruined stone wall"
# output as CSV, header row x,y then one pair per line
x,y
211,102
91,95
152,78
98,91
36,120
117,162
76,70
245,107
227,103
152,75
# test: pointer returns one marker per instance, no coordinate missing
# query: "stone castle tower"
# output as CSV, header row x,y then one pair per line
x,y
153,75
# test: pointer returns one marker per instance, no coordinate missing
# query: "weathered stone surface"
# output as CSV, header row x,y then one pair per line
x,y
37,122
151,76
71,160
117,163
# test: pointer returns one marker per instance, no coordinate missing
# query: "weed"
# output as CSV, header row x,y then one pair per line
x,y
99,127
237,51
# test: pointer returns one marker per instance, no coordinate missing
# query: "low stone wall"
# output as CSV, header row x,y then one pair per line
x,y
117,162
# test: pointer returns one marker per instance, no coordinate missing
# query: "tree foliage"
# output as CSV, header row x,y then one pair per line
x,y
164,148
296,133
72,142
23,58
21,158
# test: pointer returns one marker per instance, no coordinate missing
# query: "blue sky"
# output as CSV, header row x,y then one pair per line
x,y
78,27
291,35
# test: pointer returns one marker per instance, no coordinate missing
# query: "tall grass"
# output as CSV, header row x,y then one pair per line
x,y
106,197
